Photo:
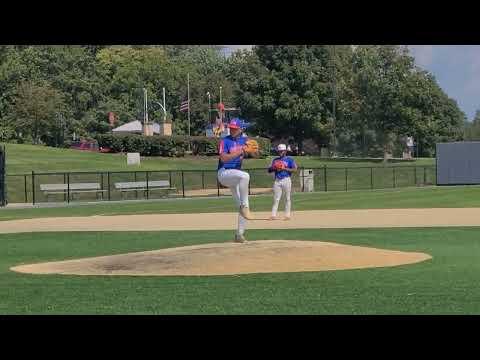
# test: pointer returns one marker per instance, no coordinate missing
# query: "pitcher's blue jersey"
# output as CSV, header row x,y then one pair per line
x,y
228,145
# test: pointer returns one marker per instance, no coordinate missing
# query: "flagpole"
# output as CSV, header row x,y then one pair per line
x,y
164,108
188,99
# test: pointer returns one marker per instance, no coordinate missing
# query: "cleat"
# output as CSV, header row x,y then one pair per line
x,y
240,239
245,212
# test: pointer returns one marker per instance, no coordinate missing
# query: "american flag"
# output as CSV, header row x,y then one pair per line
x,y
184,106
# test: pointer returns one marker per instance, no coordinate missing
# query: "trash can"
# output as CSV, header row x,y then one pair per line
x,y
306,180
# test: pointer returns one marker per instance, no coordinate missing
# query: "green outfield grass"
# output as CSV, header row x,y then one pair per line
x,y
25,158
330,174
446,284
327,179
432,197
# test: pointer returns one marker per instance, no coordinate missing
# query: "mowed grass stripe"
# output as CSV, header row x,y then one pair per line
x,y
446,284
433,197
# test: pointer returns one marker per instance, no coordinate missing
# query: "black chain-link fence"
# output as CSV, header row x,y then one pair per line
x,y
3,184
130,185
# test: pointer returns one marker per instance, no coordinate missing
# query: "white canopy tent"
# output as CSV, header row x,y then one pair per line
x,y
135,127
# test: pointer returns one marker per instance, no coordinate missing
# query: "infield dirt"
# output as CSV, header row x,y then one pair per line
x,y
313,219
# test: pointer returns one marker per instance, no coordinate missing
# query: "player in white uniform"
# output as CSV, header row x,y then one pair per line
x,y
282,166
231,154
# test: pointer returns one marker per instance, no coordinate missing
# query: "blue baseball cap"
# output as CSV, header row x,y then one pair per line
x,y
235,124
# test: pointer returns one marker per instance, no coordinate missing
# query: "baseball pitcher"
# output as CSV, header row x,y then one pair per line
x,y
282,166
232,150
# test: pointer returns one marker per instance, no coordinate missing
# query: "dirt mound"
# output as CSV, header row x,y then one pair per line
x,y
266,256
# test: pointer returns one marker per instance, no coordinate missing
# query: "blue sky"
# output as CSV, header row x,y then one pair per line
x,y
456,68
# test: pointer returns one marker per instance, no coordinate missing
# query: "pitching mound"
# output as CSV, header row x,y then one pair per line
x,y
266,256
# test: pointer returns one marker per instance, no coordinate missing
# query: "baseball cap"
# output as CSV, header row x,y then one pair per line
x,y
235,124
282,147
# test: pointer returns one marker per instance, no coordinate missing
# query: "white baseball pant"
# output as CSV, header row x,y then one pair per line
x,y
237,181
282,186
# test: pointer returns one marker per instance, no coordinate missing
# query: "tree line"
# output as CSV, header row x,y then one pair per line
x,y
353,100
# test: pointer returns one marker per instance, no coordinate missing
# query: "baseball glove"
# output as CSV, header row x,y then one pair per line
x,y
251,147
279,165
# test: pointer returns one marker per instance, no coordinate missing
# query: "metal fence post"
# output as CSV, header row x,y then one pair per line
x,y
415,174
325,176
203,179
371,178
346,179
101,185
218,188
248,172
33,187
170,178
135,180
3,178
146,177
68,187
108,184
394,180
424,176
25,183
64,182
303,179
183,185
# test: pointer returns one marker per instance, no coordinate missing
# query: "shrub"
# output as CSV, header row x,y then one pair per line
x,y
6,133
168,146
202,145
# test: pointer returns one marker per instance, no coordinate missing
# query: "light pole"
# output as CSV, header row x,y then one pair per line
x,y
145,106
334,88
209,108
163,107
221,112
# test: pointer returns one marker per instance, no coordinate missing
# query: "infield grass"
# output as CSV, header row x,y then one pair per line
x,y
446,284
432,197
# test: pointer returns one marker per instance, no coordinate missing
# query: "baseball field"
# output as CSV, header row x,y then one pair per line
x,y
398,251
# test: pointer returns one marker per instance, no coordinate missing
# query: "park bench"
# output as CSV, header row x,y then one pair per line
x,y
73,189
162,185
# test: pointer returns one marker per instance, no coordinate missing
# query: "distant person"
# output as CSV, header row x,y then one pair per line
x,y
410,146
282,166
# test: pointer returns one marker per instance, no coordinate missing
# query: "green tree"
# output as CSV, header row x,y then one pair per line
x,y
472,129
70,69
285,90
38,111
380,82
128,70
434,117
